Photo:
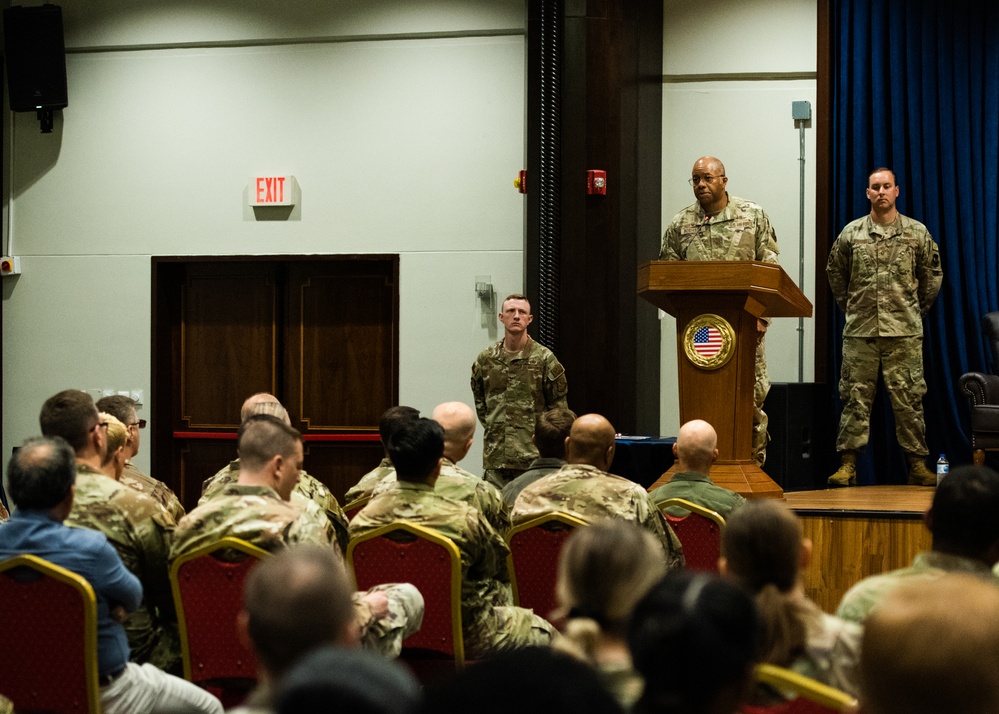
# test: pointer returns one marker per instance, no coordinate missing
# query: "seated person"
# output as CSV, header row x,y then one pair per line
x,y
41,476
489,621
583,488
113,464
764,550
964,521
603,570
551,430
390,420
933,646
696,449
695,640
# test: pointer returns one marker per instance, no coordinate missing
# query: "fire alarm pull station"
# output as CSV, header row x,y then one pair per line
x,y
596,182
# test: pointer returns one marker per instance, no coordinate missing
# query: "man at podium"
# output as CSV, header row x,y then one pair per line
x,y
723,227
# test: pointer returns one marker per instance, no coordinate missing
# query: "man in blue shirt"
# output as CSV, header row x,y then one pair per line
x,y
41,476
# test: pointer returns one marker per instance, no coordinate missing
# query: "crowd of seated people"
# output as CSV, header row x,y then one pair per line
x,y
635,631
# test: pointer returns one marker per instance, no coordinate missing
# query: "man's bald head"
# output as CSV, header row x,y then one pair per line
x,y
458,421
591,441
696,446
263,403
709,165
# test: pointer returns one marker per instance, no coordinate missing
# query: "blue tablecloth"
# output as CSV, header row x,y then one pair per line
x,y
643,459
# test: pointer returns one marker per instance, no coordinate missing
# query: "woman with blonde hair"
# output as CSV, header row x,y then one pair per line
x,y
604,570
116,454
764,550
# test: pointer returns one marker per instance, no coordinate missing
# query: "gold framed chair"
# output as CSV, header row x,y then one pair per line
x,y
699,533
804,695
535,546
351,509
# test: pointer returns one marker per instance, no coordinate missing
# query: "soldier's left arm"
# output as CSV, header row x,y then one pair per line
x,y
555,387
930,273
153,528
651,519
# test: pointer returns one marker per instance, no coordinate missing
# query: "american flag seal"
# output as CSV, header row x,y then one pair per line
x,y
709,341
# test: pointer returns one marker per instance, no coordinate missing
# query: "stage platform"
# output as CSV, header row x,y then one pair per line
x,y
859,531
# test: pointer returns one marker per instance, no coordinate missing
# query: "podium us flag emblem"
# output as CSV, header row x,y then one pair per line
x,y
709,341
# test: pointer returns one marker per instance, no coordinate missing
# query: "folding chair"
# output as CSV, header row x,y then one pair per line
x,y
48,660
699,533
207,586
803,695
535,546
405,552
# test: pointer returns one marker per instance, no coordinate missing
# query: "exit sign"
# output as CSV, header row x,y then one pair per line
x,y
274,191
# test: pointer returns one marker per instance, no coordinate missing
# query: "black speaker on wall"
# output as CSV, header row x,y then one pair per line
x,y
35,56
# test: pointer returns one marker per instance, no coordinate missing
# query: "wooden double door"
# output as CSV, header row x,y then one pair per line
x,y
319,332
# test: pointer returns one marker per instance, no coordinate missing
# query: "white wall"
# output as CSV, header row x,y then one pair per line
x,y
746,122
402,143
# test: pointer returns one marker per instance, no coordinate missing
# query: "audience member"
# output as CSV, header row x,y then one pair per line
x,y
551,429
124,409
584,489
764,550
696,449
137,526
964,521
389,422
347,680
41,476
294,602
604,570
695,639
534,680
309,493
489,620
257,509
113,463
933,646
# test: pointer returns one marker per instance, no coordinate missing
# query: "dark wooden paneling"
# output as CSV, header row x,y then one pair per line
x,y
197,461
341,465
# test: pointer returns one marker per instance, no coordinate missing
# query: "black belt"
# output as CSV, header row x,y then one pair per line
x,y
106,679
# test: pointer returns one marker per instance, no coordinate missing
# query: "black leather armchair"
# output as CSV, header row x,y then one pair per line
x,y
983,392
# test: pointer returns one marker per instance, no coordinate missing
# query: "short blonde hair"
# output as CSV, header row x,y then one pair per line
x,y
118,435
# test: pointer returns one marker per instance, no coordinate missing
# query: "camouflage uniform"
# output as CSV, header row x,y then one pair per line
x,y
154,488
697,488
489,622
540,467
310,493
510,390
741,231
366,486
139,528
885,279
4,515
258,515
587,492
866,595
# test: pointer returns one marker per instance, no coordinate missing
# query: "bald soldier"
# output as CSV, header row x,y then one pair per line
x,y
696,449
583,488
723,227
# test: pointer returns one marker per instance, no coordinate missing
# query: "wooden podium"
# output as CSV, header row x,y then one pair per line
x,y
716,304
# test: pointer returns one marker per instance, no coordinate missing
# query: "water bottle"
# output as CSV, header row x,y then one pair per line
x,y
943,466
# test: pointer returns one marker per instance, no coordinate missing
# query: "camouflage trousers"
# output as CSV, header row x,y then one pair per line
x,y
507,628
384,634
900,360
760,390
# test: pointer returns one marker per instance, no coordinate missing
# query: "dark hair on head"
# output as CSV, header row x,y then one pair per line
x,y
964,518
762,544
392,418
119,406
415,448
879,170
551,428
532,680
41,473
515,296
694,638
70,414
262,437
296,600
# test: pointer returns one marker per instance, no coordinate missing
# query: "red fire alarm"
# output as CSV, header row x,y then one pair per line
x,y
521,181
596,182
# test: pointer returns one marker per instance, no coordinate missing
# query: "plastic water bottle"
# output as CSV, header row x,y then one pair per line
x,y
943,466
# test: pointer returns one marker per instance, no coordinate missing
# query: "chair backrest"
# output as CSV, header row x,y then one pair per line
x,y
803,694
352,508
48,621
207,588
535,546
699,533
405,552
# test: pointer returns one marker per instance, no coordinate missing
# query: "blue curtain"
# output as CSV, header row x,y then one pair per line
x,y
916,88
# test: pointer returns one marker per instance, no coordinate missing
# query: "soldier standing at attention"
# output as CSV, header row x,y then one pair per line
x,y
884,272
513,381
723,227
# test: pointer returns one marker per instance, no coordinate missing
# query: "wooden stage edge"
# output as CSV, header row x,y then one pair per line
x,y
857,532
